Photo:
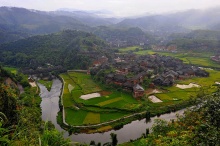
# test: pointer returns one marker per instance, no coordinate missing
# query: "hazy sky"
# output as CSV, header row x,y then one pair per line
x,y
118,7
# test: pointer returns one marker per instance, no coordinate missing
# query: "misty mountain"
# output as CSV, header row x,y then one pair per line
x,y
36,22
88,18
197,34
176,22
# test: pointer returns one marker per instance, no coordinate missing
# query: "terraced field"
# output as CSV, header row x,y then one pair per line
x,y
111,105
115,104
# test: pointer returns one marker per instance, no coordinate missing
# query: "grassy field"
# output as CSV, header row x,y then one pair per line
x,y
88,114
127,49
92,118
85,82
11,69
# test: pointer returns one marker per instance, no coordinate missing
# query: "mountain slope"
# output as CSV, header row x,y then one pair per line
x,y
176,22
84,17
36,22
65,48
10,36
199,40
130,36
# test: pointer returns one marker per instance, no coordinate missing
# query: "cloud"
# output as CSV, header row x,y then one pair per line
x,y
119,7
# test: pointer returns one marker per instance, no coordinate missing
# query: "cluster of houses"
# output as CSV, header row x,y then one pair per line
x,y
215,58
131,71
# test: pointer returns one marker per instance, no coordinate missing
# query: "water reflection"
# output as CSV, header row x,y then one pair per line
x,y
134,130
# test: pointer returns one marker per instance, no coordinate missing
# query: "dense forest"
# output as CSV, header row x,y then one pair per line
x,y
66,48
197,40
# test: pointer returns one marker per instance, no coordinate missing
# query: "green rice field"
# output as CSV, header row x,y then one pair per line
x,y
113,104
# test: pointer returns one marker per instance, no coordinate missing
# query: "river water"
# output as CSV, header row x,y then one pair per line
x,y
133,130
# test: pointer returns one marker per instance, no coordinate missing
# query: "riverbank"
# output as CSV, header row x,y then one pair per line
x,y
133,130
111,124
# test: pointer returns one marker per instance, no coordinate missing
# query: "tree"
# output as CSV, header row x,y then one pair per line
x,y
114,139
147,131
92,143
8,102
147,116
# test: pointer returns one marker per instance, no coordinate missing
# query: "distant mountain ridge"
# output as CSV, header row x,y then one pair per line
x,y
18,23
37,22
176,22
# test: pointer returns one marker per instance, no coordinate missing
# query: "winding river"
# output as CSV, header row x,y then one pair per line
x,y
133,130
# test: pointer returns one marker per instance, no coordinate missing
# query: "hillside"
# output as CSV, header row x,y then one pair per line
x,y
176,22
10,36
87,18
36,22
20,114
70,49
198,34
198,40
198,126
123,36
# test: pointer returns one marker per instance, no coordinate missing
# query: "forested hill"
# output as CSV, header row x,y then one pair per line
x,y
20,114
200,40
132,35
36,22
69,48
10,36
18,23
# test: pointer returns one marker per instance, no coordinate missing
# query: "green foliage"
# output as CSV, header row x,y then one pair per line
x,y
18,23
8,100
114,139
198,126
20,116
66,48
196,44
52,138
4,135
132,36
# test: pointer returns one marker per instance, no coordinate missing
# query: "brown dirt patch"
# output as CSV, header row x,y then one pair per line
x,y
105,93
149,91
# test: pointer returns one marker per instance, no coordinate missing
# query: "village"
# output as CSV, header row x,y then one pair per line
x,y
135,73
